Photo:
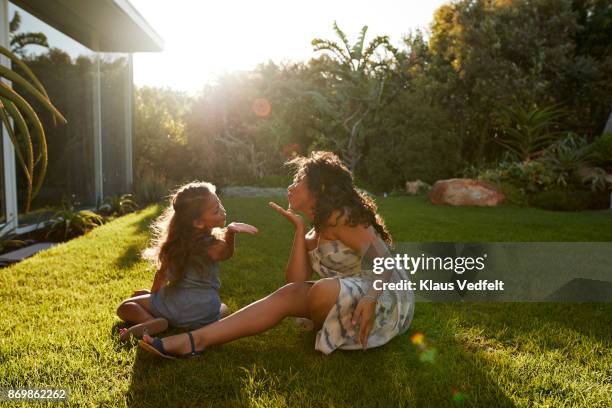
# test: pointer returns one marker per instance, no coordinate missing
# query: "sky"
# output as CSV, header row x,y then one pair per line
x,y
202,39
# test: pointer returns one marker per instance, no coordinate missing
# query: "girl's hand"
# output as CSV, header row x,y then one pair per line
x,y
296,220
236,227
364,316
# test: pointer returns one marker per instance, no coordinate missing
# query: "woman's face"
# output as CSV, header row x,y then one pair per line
x,y
299,196
213,215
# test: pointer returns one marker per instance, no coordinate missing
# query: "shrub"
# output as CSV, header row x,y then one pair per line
x,y
530,176
600,151
563,200
118,205
69,223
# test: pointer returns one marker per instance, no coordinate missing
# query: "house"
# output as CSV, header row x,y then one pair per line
x,y
86,67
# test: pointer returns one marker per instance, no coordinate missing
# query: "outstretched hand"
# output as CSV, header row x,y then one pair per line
x,y
289,214
236,227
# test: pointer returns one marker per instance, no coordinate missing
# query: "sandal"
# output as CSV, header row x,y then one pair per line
x,y
157,348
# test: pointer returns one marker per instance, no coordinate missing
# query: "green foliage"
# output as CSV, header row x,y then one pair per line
x,y
526,133
422,111
357,85
25,122
19,41
600,151
565,158
514,195
486,54
532,176
563,200
118,205
69,222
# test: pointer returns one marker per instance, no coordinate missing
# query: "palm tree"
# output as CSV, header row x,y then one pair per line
x,y
358,79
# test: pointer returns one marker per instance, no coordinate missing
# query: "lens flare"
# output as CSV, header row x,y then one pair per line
x,y
261,107
458,396
291,150
429,355
417,338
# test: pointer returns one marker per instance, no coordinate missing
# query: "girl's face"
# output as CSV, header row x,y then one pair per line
x,y
213,215
299,196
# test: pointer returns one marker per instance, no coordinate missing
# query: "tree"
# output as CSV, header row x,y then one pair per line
x,y
356,87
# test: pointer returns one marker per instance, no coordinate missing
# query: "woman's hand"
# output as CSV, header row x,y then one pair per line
x,y
364,316
236,227
296,220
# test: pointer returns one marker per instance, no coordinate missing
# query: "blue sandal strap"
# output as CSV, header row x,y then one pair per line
x,y
157,343
193,352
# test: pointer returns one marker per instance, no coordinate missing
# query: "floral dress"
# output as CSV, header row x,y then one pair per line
x,y
394,308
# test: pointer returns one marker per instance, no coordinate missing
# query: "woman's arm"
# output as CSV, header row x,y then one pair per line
x,y
365,242
298,267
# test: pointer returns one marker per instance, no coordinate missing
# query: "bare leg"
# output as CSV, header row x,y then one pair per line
x,y
136,311
290,300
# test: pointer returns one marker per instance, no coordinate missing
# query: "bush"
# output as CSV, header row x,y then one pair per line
x,y
561,200
514,195
601,151
529,176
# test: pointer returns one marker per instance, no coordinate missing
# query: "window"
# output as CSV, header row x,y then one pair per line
x,y
115,82
67,70
2,191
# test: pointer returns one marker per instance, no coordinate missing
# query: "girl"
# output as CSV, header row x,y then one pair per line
x,y
186,250
347,310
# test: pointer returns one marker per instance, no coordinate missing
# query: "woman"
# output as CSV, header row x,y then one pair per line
x,y
344,305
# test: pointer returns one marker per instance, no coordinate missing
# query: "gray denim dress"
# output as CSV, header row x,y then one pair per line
x,y
192,301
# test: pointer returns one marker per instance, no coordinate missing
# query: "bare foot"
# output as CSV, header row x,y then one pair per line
x,y
224,310
152,326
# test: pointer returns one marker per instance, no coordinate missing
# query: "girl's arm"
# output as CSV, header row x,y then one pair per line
x,y
224,249
159,280
298,268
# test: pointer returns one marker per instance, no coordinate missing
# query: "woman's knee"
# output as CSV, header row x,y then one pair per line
x,y
292,291
323,294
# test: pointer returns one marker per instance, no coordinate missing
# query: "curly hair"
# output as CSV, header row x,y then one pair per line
x,y
175,238
332,184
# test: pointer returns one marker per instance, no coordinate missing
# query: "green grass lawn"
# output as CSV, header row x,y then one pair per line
x,y
59,326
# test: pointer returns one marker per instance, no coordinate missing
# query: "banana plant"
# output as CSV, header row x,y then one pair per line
x,y
14,106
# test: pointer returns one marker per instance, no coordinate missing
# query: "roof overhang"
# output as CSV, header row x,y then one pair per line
x,y
100,25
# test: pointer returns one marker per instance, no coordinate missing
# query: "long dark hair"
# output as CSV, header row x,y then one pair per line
x,y
331,183
175,238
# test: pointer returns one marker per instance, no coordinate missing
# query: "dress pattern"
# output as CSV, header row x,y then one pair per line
x,y
394,309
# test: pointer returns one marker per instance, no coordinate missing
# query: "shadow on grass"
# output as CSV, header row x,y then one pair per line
x,y
131,254
266,370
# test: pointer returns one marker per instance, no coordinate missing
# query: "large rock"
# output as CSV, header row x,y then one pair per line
x,y
465,192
